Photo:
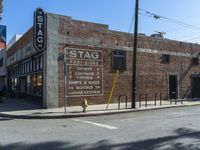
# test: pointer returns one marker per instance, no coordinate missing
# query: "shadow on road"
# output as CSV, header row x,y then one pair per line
x,y
174,142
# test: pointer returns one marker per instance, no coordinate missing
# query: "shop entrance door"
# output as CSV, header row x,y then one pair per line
x,y
196,87
173,86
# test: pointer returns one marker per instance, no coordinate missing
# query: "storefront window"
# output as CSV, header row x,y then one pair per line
x,y
28,85
33,85
26,77
39,85
14,85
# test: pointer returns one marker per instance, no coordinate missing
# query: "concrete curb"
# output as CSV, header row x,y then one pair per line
x,y
76,115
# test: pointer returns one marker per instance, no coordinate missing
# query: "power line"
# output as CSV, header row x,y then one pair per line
x,y
194,38
189,36
179,28
169,20
131,24
159,17
132,20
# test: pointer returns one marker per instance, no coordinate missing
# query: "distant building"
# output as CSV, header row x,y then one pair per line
x,y
14,39
2,55
93,54
3,37
1,8
2,70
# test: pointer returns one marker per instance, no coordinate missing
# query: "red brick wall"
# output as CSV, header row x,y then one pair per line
x,y
122,87
151,73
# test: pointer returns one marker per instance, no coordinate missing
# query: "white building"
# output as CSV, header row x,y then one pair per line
x,y
3,70
14,39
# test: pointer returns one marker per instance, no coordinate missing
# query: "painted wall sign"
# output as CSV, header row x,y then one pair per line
x,y
84,72
39,33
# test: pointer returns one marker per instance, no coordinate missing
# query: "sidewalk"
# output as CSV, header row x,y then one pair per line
x,y
13,108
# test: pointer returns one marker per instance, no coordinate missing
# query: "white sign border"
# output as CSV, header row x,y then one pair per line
x,y
68,48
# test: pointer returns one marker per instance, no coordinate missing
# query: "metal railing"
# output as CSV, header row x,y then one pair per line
x,y
175,99
145,98
120,99
157,98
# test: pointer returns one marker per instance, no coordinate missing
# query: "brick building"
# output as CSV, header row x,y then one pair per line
x,y
92,54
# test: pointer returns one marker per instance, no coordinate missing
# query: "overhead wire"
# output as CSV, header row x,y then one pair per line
x,y
132,21
194,38
159,17
131,24
169,20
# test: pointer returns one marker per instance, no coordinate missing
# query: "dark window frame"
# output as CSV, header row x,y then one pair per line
x,y
195,61
119,60
165,59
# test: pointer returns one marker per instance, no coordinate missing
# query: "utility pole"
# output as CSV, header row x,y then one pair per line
x,y
133,104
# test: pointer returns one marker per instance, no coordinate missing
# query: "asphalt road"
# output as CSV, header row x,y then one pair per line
x,y
166,129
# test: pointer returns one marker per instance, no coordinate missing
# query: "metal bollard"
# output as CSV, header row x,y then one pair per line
x,y
126,102
145,100
119,103
160,99
155,99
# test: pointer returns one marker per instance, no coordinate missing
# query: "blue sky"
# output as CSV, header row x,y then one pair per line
x,y
18,15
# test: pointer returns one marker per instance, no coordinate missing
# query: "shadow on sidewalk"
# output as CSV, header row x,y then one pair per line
x,y
17,105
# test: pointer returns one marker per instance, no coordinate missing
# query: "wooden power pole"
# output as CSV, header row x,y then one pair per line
x,y
133,104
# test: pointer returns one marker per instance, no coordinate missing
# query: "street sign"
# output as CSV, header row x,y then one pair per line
x,y
39,30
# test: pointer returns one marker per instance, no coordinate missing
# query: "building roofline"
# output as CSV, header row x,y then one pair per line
x,y
24,39
105,27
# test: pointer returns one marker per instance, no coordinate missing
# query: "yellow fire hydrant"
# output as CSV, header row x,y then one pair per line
x,y
84,105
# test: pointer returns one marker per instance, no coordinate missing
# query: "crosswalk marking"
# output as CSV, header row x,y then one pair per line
x,y
96,124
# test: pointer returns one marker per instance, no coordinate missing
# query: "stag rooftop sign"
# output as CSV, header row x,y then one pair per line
x,y
39,33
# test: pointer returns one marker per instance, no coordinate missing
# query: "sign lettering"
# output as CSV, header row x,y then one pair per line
x,y
39,34
84,72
